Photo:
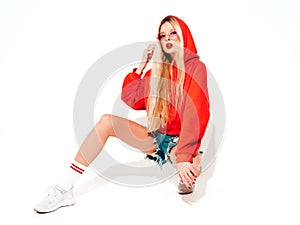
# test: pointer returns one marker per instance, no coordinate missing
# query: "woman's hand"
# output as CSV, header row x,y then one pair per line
x,y
147,55
188,172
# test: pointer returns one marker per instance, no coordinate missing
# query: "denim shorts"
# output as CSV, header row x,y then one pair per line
x,y
164,144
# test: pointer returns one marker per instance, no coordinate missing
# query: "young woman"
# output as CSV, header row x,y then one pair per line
x,y
175,96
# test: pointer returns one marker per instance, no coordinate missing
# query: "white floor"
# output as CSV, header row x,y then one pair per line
x,y
99,200
224,193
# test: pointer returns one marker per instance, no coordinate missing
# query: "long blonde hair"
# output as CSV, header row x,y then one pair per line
x,y
161,81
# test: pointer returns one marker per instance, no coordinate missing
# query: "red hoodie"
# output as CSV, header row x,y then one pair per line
x,y
190,123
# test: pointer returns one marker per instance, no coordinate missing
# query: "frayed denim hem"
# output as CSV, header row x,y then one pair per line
x,y
164,144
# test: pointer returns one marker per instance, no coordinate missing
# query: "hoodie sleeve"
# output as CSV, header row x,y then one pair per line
x,y
133,90
195,115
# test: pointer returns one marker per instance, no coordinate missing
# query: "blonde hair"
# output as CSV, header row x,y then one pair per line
x,y
161,81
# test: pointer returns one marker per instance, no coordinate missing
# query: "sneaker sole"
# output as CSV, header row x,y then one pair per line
x,y
185,193
63,204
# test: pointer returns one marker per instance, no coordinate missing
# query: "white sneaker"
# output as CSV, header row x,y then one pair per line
x,y
182,188
55,197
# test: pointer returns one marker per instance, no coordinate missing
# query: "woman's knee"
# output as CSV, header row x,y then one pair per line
x,y
105,123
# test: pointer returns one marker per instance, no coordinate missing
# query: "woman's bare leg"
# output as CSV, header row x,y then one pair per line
x,y
128,131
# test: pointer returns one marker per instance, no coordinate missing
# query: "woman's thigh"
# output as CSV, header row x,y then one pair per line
x,y
127,131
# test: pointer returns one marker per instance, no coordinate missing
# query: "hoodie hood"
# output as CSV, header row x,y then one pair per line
x,y
190,50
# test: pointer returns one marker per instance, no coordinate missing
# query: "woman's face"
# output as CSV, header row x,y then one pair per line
x,y
168,38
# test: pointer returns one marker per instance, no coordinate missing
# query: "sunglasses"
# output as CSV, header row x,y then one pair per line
x,y
172,36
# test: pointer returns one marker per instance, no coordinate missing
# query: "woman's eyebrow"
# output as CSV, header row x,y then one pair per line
x,y
169,31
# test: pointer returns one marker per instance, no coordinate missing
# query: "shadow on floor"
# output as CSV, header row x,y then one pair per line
x,y
143,173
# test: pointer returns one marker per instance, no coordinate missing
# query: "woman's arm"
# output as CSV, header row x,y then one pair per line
x,y
133,91
147,55
194,119
134,88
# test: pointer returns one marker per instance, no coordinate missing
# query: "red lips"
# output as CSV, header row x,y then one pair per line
x,y
169,45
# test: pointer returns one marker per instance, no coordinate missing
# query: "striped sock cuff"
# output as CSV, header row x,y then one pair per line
x,y
76,166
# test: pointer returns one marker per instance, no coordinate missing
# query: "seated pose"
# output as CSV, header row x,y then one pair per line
x,y
175,96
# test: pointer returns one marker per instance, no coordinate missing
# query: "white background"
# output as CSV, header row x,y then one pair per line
x,y
252,48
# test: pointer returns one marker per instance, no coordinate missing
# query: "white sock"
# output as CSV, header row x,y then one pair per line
x,y
71,175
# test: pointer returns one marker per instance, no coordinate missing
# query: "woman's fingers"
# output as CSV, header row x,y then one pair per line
x,y
188,173
196,171
186,177
150,51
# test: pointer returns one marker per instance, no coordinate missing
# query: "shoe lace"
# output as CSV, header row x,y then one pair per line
x,y
52,193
